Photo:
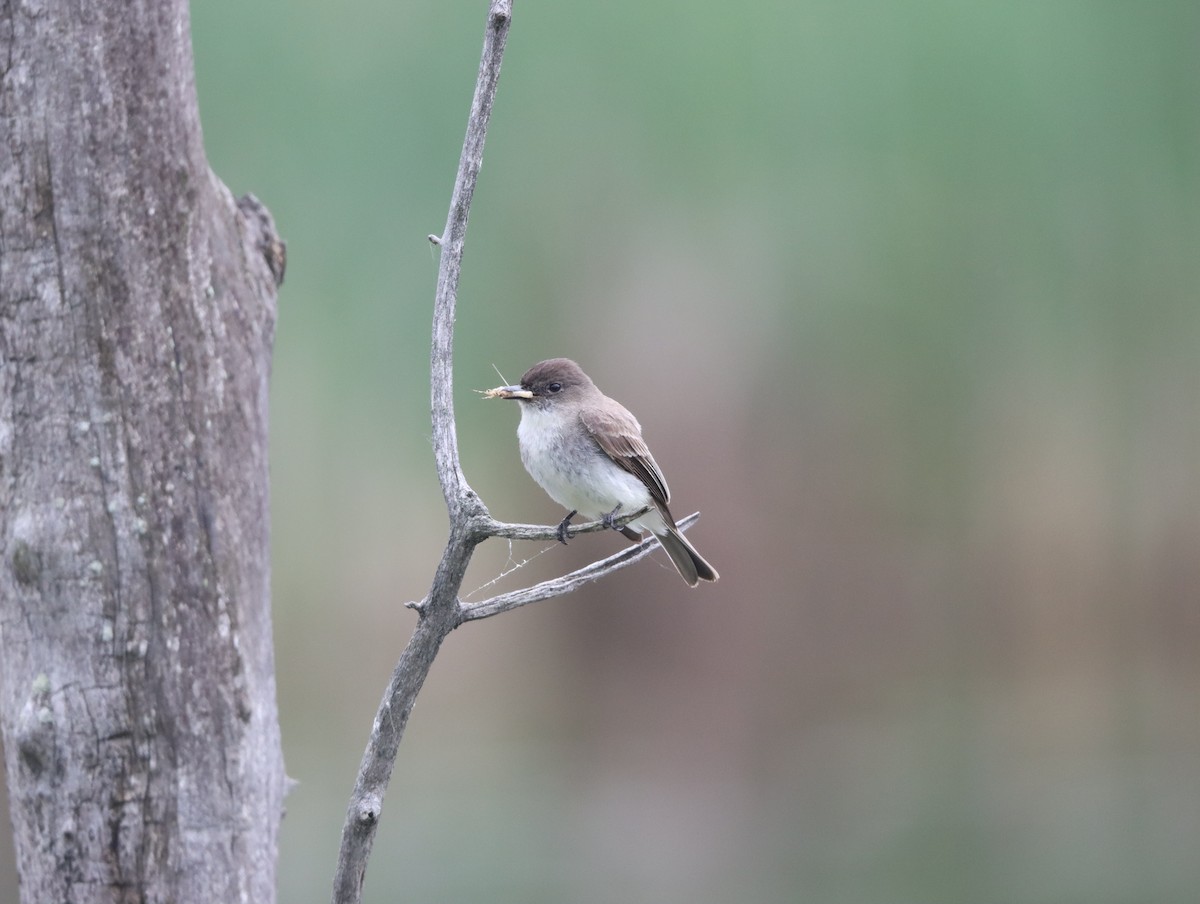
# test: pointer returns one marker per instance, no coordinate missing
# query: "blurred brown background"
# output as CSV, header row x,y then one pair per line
x,y
907,297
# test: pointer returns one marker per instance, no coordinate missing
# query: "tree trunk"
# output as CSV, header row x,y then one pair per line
x,y
137,310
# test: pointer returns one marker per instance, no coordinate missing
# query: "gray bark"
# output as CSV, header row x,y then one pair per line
x,y
137,310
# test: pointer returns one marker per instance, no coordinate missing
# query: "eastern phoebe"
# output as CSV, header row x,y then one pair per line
x,y
586,450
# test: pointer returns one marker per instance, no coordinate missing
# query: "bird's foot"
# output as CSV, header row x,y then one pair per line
x,y
610,520
564,527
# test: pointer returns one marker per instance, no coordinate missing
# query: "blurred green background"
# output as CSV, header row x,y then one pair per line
x,y
907,297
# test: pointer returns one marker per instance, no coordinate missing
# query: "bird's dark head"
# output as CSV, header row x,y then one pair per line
x,y
548,383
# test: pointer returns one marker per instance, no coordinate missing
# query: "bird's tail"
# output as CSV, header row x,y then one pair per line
x,y
689,563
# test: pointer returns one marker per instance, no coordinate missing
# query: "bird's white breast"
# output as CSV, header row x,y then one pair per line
x,y
572,469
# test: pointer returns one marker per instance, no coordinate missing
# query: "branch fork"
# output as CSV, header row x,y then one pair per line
x,y
487,528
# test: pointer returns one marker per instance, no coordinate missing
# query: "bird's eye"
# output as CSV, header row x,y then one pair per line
x,y
555,387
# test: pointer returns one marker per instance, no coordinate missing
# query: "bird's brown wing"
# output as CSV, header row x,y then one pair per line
x,y
620,436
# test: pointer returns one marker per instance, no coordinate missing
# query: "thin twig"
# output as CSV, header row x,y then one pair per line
x,y
558,586
445,439
540,532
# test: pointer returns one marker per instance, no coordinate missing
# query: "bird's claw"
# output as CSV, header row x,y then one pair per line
x,y
610,520
564,528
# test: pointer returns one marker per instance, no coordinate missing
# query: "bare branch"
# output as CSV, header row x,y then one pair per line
x,y
470,524
445,439
540,532
441,615
366,801
568,582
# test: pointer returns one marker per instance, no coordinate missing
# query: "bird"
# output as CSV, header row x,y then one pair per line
x,y
586,451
